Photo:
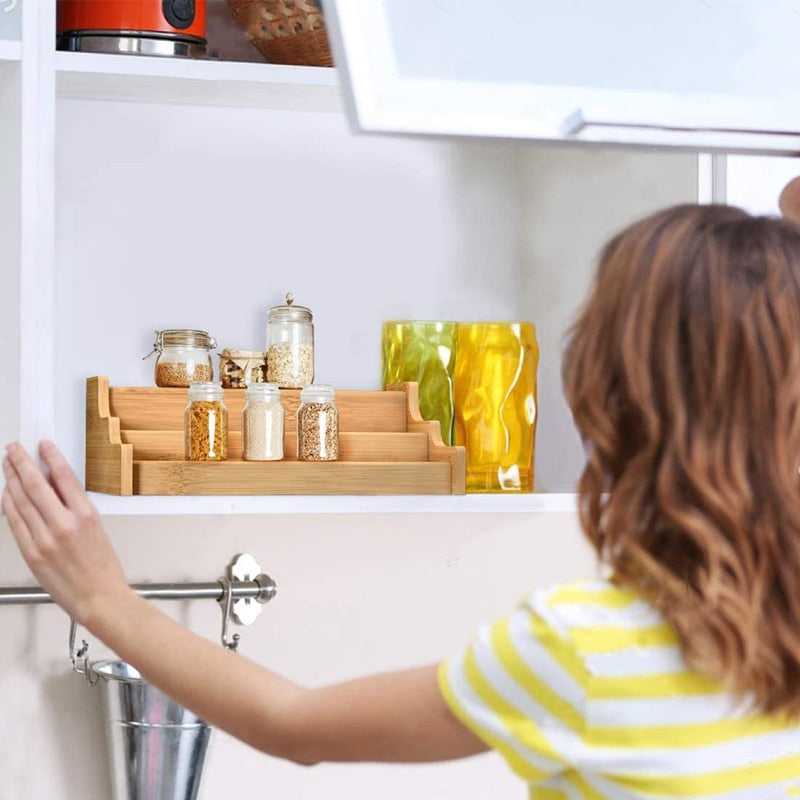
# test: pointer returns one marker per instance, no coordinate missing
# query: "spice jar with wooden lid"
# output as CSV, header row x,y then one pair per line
x,y
241,368
183,357
317,424
262,423
290,345
205,423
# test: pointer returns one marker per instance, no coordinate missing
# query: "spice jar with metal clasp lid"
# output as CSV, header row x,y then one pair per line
x,y
317,424
205,423
262,423
183,357
290,345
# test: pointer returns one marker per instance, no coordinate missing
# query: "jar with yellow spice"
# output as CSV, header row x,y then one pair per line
x,y
206,423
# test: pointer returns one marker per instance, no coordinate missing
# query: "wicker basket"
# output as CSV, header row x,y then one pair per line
x,y
285,31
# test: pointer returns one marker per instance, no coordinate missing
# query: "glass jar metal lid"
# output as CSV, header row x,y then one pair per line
x,y
290,312
181,337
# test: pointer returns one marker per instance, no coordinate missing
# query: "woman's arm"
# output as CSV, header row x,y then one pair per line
x,y
398,716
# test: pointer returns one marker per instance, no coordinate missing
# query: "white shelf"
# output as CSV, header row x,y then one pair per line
x,y
176,81
10,50
335,504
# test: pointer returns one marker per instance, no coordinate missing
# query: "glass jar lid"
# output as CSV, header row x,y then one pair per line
x,y
317,393
263,391
206,390
290,312
181,337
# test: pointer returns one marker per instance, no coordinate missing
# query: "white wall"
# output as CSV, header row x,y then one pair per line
x,y
175,216
355,594
755,182
572,201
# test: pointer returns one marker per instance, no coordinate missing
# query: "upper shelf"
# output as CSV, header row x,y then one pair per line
x,y
183,81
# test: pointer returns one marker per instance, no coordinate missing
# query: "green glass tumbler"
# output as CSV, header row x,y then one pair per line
x,y
423,352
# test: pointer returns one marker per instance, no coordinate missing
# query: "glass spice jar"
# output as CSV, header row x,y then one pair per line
x,y
290,345
205,423
239,368
317,424
183,357
262,423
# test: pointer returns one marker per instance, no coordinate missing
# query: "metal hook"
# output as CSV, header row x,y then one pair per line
x,y
75,656
227,605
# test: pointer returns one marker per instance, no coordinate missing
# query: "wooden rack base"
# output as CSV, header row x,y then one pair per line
x,y
134,446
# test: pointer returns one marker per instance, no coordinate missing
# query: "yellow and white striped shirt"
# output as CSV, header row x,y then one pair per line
x,y
584,692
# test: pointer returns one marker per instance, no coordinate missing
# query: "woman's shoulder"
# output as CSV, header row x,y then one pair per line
x,y
590,604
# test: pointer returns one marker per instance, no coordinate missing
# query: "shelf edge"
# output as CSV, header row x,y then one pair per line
x,y
160,80
534,503
193,69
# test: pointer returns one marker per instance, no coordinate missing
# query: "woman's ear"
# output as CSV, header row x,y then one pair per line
x,y
789,200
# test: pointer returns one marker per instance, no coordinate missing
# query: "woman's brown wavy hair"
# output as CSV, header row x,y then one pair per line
x,y
682,371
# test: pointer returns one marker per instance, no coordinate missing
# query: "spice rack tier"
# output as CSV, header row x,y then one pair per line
x,y
135,446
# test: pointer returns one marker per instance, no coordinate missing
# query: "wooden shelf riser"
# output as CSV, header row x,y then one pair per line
x,y
150,408
169,446
135,445
289,477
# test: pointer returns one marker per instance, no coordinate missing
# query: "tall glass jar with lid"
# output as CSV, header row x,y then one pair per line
x,y
290,345
262,423
183,356
205,423
317,424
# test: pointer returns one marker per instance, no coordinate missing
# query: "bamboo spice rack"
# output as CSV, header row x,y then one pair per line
x,y
134,446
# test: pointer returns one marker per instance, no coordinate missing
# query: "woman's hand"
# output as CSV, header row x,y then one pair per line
x,y
789,200
58,531
392,717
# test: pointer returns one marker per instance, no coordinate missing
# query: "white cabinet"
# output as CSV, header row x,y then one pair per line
x,y
694,74
142,193
10,24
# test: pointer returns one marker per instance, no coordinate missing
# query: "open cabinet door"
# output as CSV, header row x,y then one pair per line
x,y
707,75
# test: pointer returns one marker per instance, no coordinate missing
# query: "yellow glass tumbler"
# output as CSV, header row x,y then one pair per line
x,y
425,352
495,404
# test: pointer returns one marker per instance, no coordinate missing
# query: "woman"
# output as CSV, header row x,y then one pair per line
x,y
679,675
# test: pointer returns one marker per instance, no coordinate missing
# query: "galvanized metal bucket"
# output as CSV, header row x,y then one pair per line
x,y
156,747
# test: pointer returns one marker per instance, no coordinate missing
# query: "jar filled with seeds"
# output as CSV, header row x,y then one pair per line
x,y
183,357
290,345
205,423
317,424
262,423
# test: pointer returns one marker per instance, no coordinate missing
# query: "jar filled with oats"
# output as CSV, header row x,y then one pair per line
x,y
317,424
290,345
205,423
262,423
183,357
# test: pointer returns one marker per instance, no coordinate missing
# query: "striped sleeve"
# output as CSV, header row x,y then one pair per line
x,y
520,686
